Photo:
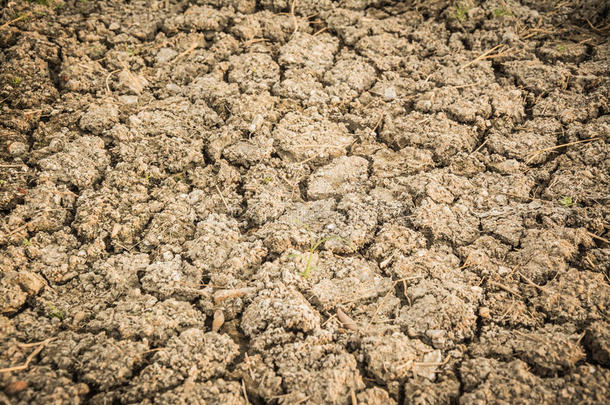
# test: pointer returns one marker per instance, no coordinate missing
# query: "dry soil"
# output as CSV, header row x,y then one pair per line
x,y
304,202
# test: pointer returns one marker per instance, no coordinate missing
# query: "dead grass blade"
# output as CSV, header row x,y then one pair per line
x,y
136,86
14,20
294,19
594,236
190,49
108,79
253,41
540,151
503,50
28,360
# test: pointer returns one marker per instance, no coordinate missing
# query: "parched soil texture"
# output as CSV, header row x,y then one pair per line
x,y
304,202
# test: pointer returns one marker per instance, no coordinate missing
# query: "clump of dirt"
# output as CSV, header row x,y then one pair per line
x,y
311,201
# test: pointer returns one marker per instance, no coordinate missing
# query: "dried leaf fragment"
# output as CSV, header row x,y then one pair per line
x,y
347,322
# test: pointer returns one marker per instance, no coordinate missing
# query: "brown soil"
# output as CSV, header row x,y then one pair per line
x,y
304,202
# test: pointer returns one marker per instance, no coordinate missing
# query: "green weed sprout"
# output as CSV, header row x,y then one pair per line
x,y
501,12
461,11
314,244
54,312
566,201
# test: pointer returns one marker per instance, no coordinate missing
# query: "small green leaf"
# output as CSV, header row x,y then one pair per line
x,y
461,11
56,313
501,12
566,201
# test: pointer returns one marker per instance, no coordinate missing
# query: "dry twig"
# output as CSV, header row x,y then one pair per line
x,y
189,50
222,198
540,151
594,236
28,360
294,18
14,20
503,50
108,79
243,387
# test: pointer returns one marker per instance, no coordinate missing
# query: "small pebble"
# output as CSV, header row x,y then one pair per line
x,y
390,93
17,149
15,387
219,320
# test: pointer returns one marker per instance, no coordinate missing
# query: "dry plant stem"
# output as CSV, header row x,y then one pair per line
x,y
386,261
523,197
14,20
254,41
353,395
28,360
505,288
330,318
379,306
321,146
540,151
366,294
222,198
530,282
185,53
24,226
378,122
594,236
480,147
166,226
489,55
108,79
134,80
394,284
294,18
534,338
466,262
248,366
150,351
580,337
243,387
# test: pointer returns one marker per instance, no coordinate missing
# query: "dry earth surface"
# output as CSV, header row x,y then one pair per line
x,y
304,202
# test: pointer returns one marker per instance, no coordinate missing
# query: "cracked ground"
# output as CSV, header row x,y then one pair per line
x,y
304,202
